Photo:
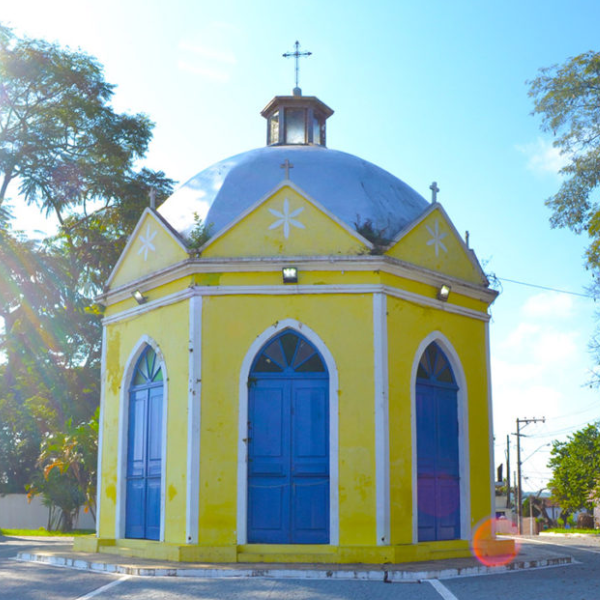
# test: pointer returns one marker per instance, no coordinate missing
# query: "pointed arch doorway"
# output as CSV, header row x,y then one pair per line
x,y
288,443
438,464
144,449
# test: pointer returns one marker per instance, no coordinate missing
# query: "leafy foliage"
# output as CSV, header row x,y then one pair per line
x,y
65,150
68,460
200,233
575,468
376,236
567,97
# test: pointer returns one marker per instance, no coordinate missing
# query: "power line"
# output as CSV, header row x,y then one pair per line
x,y
562,431
543,287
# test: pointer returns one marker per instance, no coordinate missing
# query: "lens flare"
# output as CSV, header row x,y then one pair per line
x,y
491,551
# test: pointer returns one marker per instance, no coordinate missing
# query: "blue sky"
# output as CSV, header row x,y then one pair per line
x,y
429,91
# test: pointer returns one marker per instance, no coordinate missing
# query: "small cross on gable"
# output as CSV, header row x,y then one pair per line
x,y
287,165
434,191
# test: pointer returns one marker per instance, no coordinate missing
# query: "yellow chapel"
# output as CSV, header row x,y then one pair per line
x,y
295,366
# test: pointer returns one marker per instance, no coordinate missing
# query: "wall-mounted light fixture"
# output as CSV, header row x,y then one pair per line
x,y
139,297
443,293
290,274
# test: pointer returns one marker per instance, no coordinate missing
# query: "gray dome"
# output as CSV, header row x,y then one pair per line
x,y
351,188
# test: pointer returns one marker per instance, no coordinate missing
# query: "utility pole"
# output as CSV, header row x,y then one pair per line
x,y
524,423
507,471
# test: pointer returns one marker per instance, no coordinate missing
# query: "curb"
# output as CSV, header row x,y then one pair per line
x,y
388,576
568,535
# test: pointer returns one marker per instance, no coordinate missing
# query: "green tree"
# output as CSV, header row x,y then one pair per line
x,y
68,460
575,468
567,97
64,149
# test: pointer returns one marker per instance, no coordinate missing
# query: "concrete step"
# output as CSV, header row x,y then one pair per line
x,y
296,553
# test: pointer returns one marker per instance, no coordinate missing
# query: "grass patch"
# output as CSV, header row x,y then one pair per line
x,y
41,532
572,530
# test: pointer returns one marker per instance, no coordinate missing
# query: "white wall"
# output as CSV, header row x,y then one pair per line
x,y
17,513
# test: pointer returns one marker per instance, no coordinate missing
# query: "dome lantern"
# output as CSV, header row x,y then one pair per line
x,y
296,120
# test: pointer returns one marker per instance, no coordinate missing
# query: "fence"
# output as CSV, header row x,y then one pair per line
x,y
17,513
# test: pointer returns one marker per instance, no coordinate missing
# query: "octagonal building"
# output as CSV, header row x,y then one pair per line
x,y
295,366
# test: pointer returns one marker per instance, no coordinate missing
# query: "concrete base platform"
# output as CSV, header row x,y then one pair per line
x,y
530,556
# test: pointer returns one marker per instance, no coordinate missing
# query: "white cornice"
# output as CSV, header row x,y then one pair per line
x,y
294,290
387,264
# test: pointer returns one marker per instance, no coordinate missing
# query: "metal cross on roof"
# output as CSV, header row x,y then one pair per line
x,y
296,54
287,165
434,191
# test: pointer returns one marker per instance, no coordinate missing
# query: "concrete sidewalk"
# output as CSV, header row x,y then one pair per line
x,y
530,556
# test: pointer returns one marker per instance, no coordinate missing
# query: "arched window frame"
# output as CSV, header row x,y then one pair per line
x,y
463,432
126,383
294,371
242,478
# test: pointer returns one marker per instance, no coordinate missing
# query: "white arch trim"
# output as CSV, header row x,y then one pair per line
x,y
128,372
242,478
463,432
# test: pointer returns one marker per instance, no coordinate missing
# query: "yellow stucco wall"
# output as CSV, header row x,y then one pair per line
x,y
310,231
230,326
408,325
151,247
169,329
433,244
344,322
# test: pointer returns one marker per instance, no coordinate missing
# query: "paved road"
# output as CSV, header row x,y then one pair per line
x,y
23,581
20,581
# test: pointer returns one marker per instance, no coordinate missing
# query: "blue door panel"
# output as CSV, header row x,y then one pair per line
x,y
136,497
144,453
426,438
153,508
426,500
447,434
269,451
310,462
137,435
438,472
310,435
309,509
268,463
154,447
288,446
448,509
269,524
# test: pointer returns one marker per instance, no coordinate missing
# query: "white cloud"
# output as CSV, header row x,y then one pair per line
x,y
214,56
222,56
558,348
543,345
209,72
543,157
548,304
539,368
505,373
520,336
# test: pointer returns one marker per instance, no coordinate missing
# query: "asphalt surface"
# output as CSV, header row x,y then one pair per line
x,y
577,581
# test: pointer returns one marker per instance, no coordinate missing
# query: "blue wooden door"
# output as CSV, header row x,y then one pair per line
x,y
438,475
144,450
288,444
